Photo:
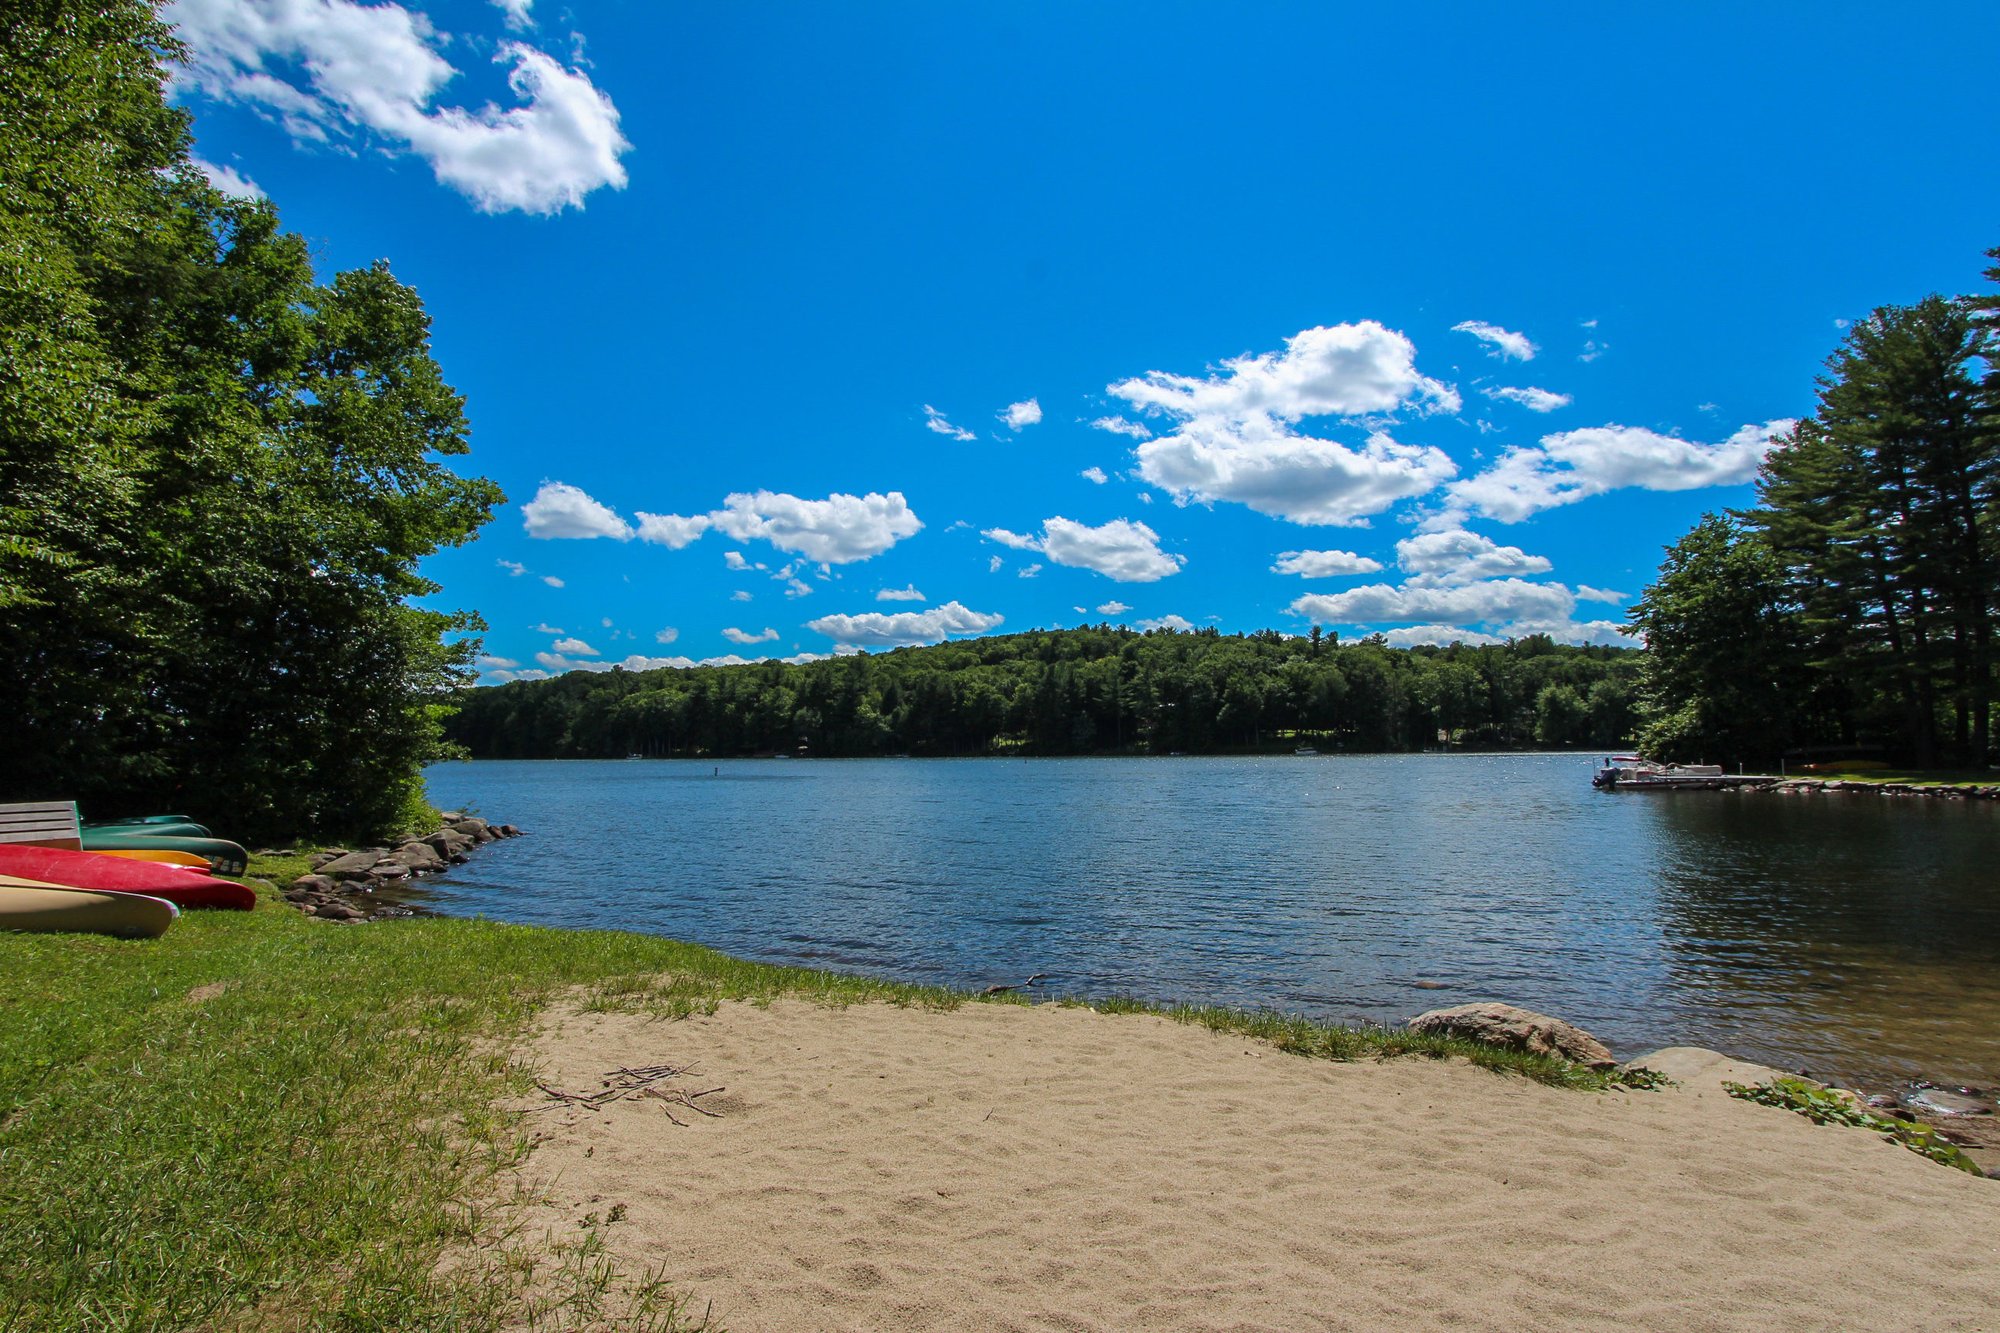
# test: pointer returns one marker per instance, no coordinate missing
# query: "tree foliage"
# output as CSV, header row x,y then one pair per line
x,y
1853,607
217,473
1100,689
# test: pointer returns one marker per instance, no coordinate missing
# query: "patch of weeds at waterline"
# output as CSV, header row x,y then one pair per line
x,y
1824,1106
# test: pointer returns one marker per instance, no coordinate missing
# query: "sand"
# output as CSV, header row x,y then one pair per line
x,y
1007,1167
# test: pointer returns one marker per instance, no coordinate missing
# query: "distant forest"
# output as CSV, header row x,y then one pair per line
x,y
1101,690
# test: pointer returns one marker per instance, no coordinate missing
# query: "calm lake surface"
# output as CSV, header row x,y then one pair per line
x,y
1857,937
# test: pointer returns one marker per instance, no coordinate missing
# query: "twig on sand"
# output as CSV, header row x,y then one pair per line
x,y
623,1082
1024,985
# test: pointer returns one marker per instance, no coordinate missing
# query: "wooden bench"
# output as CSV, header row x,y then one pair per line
x,y
42,824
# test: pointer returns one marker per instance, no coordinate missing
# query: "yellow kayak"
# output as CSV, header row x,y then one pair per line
x,y
159,856
27,904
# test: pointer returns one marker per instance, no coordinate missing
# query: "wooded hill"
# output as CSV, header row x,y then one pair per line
x,y
1101,690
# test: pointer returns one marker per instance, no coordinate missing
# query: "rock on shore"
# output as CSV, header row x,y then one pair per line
x,y
1944,791
343,883
1518,1029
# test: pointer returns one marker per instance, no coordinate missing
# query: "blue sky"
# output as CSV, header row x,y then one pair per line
x,y
793,328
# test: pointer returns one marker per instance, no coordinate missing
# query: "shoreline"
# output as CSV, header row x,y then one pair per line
x,y
377,1083
1978,1134
358,894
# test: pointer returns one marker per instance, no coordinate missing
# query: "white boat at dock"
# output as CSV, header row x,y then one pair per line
x,y
1631,772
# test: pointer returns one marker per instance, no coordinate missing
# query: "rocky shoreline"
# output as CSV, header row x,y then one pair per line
x,y
359,885
1944,791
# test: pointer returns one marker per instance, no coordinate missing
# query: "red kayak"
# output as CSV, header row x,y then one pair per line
x,y
85,870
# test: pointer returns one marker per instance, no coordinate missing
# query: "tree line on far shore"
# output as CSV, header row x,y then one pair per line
x,y
1090,690
1852,610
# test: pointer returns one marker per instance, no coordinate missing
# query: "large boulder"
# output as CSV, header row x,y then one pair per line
x,y
350,866
450,845
420,857
1518,1029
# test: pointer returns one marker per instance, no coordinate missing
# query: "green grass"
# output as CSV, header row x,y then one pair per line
x,y
1918,777
262,1120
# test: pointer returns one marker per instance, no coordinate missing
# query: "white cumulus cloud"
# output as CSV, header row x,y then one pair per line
x,y
934,421
1499,342
228,179
1095,474
1454,555
552,580
1263,464
1120,426
1178,624
1323,564
1535,400
667,635
735,635
1574,465
514,568
1113,608
1026,413
907,594
672,531
1586,593
878,629
501,676
1466,604
1234,435
1439,636
1028,571
336,69
1020,541
562,510
1345,370
1121,549
574,646
838,530
519,15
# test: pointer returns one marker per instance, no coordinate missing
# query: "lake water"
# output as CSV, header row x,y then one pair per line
x,y
1857,937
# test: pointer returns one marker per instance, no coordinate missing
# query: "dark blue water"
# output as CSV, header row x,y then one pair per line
x,y
1854,936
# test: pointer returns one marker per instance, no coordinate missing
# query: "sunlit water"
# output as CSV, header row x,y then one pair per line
x,y
1857,937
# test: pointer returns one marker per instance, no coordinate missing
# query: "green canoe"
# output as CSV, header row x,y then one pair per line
x,y
227,857
179,828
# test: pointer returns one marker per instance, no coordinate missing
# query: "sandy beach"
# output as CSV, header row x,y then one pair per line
x,y
1007,1167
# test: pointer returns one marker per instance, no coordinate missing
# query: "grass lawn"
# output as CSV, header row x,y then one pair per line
x,y
261,1120
1930,777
